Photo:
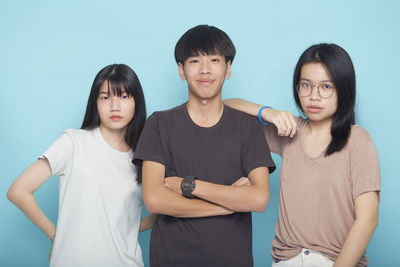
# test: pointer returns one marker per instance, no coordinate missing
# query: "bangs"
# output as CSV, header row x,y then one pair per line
x,y
117,85
197,47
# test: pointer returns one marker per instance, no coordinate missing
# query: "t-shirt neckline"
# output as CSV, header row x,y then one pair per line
x,y
217,125
303,146
114,152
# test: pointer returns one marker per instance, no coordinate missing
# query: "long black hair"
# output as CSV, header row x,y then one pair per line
x,y
119,77
341,69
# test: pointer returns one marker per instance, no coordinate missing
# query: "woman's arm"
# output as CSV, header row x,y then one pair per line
x,y
366,209
21,194
283,120
147,222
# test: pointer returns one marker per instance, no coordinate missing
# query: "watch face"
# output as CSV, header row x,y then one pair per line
x,y
187,186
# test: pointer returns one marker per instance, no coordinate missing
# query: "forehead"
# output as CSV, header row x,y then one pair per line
x,y
315,71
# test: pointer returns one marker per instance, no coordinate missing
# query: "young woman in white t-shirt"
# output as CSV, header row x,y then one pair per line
x,y
330,177
100,201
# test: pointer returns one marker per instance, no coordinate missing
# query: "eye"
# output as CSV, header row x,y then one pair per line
x,y
104,97
327,86
305,84
215,60
194,61
125,96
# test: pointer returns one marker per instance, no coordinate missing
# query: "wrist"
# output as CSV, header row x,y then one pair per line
x,y
262,112
188,184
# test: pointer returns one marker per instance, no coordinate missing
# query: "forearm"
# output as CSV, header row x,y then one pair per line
x,y
167,202
243,105
356,243
27,204
147,222
245,198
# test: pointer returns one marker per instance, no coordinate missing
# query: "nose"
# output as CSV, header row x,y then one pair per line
x,y
314,95
205,67
115,103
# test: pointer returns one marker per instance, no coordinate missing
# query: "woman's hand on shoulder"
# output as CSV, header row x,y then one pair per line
x,y
283,120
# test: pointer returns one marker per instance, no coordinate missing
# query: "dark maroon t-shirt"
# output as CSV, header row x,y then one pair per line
x,y
220,154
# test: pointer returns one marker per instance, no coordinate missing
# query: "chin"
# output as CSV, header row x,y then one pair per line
x,y
318,117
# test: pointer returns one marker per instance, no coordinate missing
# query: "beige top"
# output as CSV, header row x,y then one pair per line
x,y
316,200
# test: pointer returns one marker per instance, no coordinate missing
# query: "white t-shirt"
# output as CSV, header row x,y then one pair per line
x,y
100,203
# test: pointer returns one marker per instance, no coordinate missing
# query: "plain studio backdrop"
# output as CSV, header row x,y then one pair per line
x,y
50,52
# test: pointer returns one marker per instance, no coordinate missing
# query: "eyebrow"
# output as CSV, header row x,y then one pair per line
x,y
106,92
305,79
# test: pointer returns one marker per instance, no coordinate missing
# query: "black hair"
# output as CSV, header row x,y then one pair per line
x,y
340,67
120,78
205,40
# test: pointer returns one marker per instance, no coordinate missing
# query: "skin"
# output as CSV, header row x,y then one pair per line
x,y
316,138
205,75
115,113
113,130
319,110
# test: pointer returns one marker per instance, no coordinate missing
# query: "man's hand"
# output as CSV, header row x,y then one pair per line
x,y
242,181
283,120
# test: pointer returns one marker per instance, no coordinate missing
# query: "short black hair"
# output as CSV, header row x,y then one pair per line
x,y
340,67
206,40
119,77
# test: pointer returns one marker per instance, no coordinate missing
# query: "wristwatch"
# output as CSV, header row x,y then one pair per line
x,y
188,184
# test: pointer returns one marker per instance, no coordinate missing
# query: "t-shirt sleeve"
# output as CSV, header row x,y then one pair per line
x,y
364,162
150,144
256,151
60,154
273,139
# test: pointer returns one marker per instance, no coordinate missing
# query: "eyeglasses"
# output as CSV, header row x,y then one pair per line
x,y
325,89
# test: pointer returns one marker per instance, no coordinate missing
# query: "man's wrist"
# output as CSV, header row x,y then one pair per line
x,y
188,184
260,112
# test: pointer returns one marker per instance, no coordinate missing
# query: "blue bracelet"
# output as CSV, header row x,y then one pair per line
x,y
259,115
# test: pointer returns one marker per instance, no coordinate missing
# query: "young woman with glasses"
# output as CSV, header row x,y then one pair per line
x,y
330,176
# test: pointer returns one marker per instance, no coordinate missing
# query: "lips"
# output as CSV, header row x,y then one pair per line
x,y
115,118
205,81
314,109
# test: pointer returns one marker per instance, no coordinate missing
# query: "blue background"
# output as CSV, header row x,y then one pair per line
x,y
50,52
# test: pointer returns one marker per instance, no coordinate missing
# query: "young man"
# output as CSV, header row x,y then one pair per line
x,y
203,148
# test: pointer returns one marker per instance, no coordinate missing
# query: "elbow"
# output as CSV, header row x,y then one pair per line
x,y
12,195
260,204
152,203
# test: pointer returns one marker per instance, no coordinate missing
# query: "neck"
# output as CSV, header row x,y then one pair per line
x,y
320,128
115,138
205,112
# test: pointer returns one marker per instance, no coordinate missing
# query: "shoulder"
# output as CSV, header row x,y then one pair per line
x,y
360,142
165,114
81,135
359,135
301,121
77,133
239,116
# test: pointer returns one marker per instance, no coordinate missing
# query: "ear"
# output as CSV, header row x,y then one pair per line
x,y
228,70
181,71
